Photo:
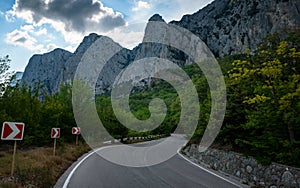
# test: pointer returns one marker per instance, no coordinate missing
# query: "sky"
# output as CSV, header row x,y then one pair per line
x,y
29,27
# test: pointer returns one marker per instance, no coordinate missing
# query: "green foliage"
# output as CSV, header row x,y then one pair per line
x,y
20,104
139,103
263,101
108,118
265,88
5,75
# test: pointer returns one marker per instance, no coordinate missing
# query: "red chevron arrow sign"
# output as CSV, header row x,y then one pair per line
x,y
76,130
12,131
55,133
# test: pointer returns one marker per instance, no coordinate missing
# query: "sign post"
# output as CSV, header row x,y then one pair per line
x,y
14,159
55,133
76,140
54,147
76,131
13,131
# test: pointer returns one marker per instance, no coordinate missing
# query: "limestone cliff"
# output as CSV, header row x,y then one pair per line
x,y
226,26
47,69
231,26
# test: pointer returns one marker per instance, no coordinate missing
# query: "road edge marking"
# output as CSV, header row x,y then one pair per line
x,y
67,181
206,170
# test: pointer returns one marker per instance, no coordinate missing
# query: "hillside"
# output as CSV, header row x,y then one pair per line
x,y
227,27
230,26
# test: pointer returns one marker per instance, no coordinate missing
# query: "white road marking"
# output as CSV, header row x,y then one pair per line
x,y
206,170
99,149
75,168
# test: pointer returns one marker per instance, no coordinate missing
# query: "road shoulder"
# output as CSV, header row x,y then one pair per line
x,y
226,177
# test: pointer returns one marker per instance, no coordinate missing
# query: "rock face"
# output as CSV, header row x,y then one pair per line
x,y
145,49
72,63
227,27
111,70
47,69
59,66
231,26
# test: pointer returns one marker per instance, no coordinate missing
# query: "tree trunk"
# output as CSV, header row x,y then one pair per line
x,y
291,132
275,97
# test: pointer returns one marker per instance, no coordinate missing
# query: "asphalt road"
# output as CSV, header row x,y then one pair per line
x,y
93,171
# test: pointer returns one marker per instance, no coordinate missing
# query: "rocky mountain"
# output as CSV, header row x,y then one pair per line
x,y
71,64
59,66
226,26
46,69
231,26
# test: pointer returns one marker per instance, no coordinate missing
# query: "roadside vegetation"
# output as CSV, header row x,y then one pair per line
x,y
262,117
263,101
36,166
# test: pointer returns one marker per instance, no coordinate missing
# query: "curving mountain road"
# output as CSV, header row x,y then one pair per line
x,y
95,171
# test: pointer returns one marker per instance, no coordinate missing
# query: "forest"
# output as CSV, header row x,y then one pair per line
x,y
262,116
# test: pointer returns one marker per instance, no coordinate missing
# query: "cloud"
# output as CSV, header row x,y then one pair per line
x,y
128,36
23,38
32,30
81,16
28,28
51,47
142,10
74,19
26,37
43,31
70,48
141,5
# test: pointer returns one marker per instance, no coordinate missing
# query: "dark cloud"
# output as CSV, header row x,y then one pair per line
x,y
21,40
76,14
109,22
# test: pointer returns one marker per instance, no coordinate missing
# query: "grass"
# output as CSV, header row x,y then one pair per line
x,y
38,167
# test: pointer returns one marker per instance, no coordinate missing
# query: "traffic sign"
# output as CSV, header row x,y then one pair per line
x,y
76,130
55,133
12,131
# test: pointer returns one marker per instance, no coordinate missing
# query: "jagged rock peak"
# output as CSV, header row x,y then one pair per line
x,y
56,51
87,42
156,18
91,36
54,54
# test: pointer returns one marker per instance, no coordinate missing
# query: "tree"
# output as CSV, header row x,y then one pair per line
x,y
268,84
4,74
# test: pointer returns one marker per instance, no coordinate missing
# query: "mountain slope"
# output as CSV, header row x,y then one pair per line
x,y
231,26
46,69
226,26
